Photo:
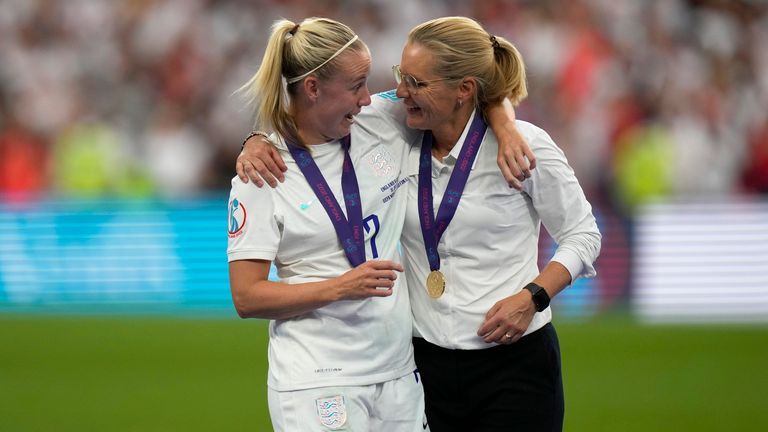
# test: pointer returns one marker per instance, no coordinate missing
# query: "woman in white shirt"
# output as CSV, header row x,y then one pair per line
x,y
484,343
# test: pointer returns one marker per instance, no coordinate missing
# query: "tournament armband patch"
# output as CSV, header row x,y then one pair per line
x,y
237,217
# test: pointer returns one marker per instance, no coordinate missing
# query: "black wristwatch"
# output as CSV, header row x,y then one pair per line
x,y
540,296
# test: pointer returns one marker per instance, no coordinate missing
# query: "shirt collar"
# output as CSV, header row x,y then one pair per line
x,y
413,162
454,153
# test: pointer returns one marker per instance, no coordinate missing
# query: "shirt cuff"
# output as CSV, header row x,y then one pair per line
x,y
251,254
571,261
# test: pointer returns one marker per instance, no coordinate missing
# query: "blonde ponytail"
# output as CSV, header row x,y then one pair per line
x,y
265,89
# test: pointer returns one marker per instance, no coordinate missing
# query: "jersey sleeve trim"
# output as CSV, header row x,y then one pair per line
x,y
251,254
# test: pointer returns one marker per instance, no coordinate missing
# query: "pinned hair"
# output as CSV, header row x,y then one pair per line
x,y
497,67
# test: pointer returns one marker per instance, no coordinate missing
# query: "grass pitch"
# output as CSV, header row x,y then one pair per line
x,y
131,373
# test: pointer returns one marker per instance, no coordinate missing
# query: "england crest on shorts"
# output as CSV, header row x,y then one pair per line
x,y
332,411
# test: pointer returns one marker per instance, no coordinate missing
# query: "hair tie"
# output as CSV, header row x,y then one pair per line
x,y
294,30
494,42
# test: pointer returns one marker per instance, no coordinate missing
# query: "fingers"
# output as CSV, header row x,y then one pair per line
x,y
509,337
257,170
490,322
252,174
498,335
279,161
380,274
488,328
274,166
240,169
502,324
375,278
261,161
503,334
384,265
522,163
531,159
514,168
515,184
379,283
491,312
506,171
380,292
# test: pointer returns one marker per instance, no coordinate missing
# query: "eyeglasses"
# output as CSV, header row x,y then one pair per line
x,y
411,83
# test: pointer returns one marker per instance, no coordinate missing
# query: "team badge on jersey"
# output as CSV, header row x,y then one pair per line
x,y
237,216
380,161
332,412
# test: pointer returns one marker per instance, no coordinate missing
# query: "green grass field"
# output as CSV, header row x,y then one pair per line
x,y
175,374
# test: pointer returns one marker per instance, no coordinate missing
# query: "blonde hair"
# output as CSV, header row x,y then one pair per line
x,y
462,48
293,52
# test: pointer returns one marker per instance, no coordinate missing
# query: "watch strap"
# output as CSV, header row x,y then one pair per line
x,y
539,295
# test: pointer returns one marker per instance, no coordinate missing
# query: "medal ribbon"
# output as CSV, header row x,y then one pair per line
x,y
349,230
432,228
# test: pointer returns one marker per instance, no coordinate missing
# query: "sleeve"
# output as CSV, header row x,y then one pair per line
x,y
387,112
564,210
252,228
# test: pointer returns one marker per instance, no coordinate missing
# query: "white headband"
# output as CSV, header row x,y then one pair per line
x,y
301,77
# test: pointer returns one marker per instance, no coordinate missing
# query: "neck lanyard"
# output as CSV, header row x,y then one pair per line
x,y
432,228
349,230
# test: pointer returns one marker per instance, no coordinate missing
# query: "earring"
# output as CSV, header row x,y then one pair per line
x,y
461,102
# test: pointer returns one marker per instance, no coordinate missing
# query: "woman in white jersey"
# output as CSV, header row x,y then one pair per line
x,y
340,353
484,343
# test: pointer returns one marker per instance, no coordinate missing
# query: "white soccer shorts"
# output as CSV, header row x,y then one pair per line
x,y
396,406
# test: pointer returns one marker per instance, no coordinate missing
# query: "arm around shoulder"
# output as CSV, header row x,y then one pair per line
x,y
515,158
259,159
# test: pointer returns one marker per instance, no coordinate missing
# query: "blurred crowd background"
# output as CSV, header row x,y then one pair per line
x,y
119,130
135,98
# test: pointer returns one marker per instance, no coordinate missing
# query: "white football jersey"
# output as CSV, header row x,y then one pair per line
x,y
346,342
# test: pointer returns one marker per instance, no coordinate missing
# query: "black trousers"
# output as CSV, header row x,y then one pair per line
x,y
515,387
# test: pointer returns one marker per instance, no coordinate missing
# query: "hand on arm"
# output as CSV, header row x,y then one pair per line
x,y
259,160
515,158
512,315
255,296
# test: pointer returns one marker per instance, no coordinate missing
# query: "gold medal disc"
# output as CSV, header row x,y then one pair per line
x,y
435,284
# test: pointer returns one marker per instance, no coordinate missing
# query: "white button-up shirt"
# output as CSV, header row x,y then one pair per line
x,y
489,250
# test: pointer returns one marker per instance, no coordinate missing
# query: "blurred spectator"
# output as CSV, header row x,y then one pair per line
x,y
154,79
89,161
755,174
643,167
176,153
23,161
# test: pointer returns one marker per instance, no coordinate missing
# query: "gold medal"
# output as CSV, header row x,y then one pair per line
x,y
435,284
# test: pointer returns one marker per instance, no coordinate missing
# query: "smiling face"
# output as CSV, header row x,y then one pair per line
x,y
433,103
340,98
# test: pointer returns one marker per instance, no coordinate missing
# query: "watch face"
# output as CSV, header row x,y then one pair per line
x,y
540,296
